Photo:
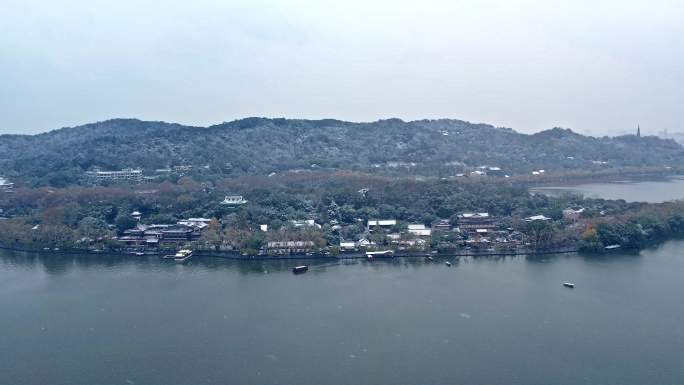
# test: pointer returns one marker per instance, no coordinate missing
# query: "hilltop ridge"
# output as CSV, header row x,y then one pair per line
x,y
260,146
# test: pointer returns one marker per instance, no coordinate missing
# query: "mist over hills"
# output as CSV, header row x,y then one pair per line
x,y
260,146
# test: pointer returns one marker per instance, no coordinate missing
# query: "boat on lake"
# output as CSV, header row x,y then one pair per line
x,y
382,253
182,255
300,269
569,285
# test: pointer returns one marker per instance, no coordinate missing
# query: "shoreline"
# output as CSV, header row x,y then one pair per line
x,y
341,256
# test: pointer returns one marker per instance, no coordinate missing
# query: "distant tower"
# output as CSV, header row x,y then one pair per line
x,y
638,131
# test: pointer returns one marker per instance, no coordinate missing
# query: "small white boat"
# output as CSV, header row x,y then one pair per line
x,y
447,263
182,256
300,269
383,253
569,285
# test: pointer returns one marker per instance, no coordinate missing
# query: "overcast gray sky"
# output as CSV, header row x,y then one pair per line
x,y
594,66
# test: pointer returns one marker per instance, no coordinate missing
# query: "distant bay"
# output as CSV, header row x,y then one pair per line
x,y
652,191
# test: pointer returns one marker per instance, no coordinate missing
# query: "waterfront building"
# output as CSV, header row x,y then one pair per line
x,y
290,247
471,222
152,236
177,233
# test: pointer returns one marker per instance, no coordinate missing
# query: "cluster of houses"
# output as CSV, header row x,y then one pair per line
x,y
484,171
477,231
471,230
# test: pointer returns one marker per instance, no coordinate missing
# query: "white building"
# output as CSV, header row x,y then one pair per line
x,y
384,223
125,174
233,200
363,242
306,223
199,223
182,168
347,245
394,236
537,218
572,214
419,230
5,185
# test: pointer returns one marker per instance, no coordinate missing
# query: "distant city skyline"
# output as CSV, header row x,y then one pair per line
x,y
598,68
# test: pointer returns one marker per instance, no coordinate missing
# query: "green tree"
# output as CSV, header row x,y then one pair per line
x,y
92,227
124,222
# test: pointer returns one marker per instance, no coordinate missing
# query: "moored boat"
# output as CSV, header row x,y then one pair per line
x,y
383,253
182,256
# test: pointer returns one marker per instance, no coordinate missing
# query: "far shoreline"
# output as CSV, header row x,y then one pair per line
x,y
318,256
562,182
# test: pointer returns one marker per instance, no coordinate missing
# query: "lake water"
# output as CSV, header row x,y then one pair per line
x,y
631,191
110,320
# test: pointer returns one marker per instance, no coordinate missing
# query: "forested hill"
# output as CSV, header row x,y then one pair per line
x,y
260,146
